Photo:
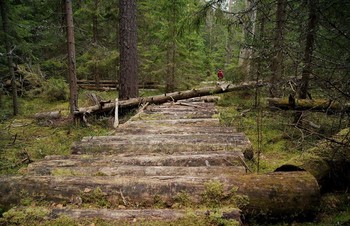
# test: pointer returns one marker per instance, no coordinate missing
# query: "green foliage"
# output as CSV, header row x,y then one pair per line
x,y
56,89
28,216
213,194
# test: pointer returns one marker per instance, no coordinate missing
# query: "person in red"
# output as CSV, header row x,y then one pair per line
x,y
220,74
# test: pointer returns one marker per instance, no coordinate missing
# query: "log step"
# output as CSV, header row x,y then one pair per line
x,y
160,129
167,143
134,215
279,194
181,122
129,170
154,159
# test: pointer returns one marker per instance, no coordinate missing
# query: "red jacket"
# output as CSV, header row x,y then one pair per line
x,y
220,74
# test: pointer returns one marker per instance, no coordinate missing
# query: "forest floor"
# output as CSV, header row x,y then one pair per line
x,y
24,139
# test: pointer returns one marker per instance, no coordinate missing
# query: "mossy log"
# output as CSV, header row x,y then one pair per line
x,y
328,162
279,194
322,105
159,99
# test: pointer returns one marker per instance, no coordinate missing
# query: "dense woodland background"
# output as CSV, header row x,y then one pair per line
x,y
182,42
300,47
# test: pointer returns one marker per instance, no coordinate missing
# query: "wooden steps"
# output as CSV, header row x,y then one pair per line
x,y
162,154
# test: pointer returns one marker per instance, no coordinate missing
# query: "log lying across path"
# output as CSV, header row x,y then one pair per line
x,y
276,194
170,156
159,99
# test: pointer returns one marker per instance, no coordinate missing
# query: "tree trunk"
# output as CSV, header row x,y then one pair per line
x,y
277,60
328,106
230,39
280,194
309,47
249,31
6,29
328,162
307,60
95,41
128,77
95,23
170,79
134,102
73,98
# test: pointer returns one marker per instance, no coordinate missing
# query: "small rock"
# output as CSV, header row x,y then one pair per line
x,y
87,190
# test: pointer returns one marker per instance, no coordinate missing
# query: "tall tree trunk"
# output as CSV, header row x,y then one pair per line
x,y
171,53
277,60
249,30
95,40
73,96
230,38
128,77
307,60
6,28
309,47
95,23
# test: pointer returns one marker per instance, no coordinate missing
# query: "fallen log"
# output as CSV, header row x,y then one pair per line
x,y
328,162
159,99
322,105
279,194
48,115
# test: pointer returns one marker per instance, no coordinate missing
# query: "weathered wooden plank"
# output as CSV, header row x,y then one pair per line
x,y
135,170
174,129
139,214
151,159
188,122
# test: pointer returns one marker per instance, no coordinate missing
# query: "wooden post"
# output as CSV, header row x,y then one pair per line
x,y
116,119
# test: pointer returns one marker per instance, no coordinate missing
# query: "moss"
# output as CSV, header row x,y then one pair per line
x,y
182,199
100,174
213,194
95,197
28,216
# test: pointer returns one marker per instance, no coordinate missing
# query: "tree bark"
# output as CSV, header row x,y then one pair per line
x,y
6,29
48,115
279,194
128,74
309,47
277,60
249,31
73,96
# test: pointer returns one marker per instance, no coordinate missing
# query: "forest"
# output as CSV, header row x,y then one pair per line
x,y
285,87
